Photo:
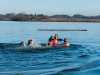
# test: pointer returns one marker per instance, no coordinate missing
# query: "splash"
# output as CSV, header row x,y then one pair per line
x,y
36,43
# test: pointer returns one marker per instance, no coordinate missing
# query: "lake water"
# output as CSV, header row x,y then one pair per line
x,y
82,58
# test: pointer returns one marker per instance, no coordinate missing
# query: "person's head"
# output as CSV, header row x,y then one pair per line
x,y
56,36
65,40
22,43
30,42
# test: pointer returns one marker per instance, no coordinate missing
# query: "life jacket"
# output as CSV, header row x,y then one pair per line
x,y
54,42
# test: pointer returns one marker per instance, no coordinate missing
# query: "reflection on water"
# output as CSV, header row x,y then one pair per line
x,y
82,57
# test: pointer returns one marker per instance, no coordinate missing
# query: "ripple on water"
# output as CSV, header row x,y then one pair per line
x,y
76,59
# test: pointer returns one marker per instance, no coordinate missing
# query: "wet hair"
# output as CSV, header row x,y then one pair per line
x,y
29,42
22,43
65,40
56,36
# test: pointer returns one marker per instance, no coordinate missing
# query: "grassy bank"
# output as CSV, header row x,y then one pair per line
x,y
47,19
67,20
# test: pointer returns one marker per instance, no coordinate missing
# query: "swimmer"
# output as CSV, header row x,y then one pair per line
x,y
33,44
30,43
22,44
66,42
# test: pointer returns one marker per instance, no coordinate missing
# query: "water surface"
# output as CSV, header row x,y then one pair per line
x,y
79,59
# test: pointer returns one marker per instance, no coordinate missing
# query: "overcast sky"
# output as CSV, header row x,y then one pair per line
x,y
51,7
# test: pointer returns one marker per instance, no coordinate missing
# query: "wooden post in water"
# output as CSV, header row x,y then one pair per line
x,y
62,30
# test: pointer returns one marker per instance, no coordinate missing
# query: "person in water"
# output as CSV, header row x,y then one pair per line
x,y
66,42
22,44
30,43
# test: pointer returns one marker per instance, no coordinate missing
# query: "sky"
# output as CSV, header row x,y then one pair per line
x,y
51,7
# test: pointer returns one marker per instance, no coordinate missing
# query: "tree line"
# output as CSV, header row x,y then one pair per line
x,y
46,18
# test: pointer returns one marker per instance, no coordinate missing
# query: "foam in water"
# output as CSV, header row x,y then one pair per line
x,y
36,44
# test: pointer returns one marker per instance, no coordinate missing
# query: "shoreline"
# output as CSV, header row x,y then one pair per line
x,y
56,20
